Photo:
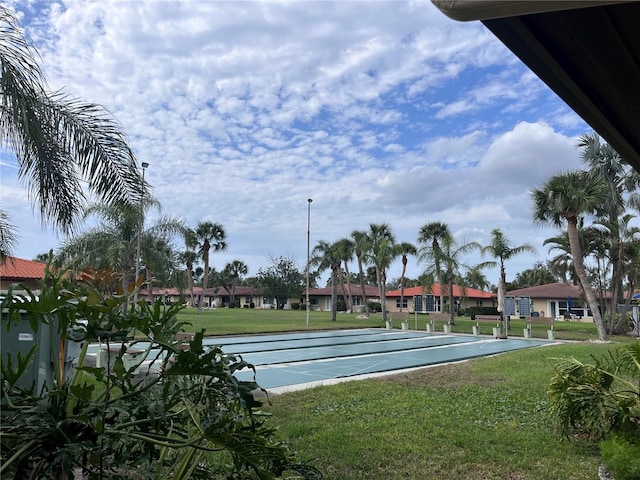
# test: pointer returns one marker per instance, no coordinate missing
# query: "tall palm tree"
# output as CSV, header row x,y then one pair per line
x,y
452,266
404,249
431,236
500,248
188,258
326,256
565,198
359,247
207,236
346,249
59,141
236,269
622,182
381,252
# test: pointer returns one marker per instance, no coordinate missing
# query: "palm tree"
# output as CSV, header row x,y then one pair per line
x,y
359,247
326,256
8,237
475,278
59,141
112,244
622,183
380,253
236,269
188,258
500,248
431,235
207,236
565,198
451,265
346,249
404,249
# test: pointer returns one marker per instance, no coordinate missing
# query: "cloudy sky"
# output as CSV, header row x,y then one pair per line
x,y
380,111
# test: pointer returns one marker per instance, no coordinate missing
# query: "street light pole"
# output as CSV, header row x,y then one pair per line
x,y
308,246
140,224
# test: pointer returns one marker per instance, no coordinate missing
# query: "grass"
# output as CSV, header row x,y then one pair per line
x,y
483,419
227,321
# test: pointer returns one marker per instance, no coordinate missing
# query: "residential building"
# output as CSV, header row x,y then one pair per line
x,y
18,270
421,300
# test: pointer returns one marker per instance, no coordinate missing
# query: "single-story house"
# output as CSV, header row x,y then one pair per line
x,y
19,270
320,298
422,300
213,297
550,300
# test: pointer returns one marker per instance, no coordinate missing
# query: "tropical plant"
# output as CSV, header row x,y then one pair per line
x,y
452,262
360,246
601,400
236,269
327,256
431,236
60,143
206,236
346,247
8,236
188,258
404,249
539,274
176,412
565,198
112,244
380,253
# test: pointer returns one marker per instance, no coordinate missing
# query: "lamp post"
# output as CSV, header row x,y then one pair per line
x,y
140,224
308,246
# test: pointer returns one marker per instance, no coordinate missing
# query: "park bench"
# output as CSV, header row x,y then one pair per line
x,y
402,316
439,317
495,319
535,321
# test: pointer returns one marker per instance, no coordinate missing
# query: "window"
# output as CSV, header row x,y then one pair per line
x,y
404,303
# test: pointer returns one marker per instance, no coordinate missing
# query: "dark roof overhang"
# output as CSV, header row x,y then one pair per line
x,y
587,52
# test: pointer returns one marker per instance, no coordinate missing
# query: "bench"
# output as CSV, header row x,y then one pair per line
x,y
440,317
535,321
495,319
402,316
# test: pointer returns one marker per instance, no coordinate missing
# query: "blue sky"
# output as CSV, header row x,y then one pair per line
x,y
381,111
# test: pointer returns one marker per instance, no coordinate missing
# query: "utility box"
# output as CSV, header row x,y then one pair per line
x,y
17,337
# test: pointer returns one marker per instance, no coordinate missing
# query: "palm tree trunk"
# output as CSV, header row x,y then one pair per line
x,y
350,300
334,296
364,292
404,269
578,264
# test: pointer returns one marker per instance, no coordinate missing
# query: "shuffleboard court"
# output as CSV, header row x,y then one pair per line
x,y
299,360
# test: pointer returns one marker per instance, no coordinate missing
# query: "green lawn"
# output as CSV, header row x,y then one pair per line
x,y
226,321
482,419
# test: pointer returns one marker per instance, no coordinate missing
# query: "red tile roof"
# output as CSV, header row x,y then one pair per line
x,y
435,290
17,269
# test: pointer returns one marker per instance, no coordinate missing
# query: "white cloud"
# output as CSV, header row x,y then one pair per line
x,y
378,110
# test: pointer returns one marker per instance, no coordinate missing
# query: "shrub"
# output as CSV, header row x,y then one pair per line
x,y
112,423
473,311
341,306
374,307
295,306
602,401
